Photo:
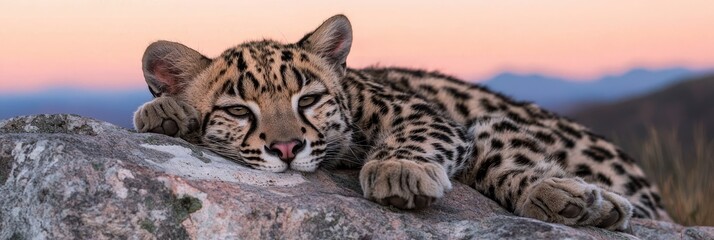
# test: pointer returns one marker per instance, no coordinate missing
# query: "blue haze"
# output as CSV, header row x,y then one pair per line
x,y
112,106
551,92
560,94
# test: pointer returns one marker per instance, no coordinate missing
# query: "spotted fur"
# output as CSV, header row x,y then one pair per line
x,y
410,131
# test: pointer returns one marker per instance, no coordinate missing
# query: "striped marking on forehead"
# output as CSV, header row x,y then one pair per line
x,y
259,80
266,67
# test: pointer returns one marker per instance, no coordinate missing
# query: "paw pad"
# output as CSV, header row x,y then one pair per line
x,y
422,202
571,211
167,127
610,219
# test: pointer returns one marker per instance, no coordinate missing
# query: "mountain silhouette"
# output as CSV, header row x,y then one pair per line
x,y
560,94
683,108
554,93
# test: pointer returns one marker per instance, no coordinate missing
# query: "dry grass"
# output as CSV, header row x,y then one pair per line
x,y
684,173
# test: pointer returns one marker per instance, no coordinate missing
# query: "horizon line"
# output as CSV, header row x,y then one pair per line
x,y
695,71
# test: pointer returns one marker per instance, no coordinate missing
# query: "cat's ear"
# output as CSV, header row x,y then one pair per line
x,y
169,66
332,40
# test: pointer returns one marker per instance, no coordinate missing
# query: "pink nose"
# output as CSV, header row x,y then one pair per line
x,y
286,150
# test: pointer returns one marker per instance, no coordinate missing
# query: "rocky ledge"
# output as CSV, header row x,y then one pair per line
x,y
66,176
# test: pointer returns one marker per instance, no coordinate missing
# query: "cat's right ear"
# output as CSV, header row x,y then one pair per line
x,y
169,66
332,40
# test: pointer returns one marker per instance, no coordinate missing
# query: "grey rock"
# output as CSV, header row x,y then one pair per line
x,y
69,177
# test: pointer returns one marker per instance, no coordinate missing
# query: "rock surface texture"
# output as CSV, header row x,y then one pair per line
x,y
69,177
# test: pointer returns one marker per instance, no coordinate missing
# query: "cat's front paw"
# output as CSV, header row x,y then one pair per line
x,y
404,184
167,116
572,201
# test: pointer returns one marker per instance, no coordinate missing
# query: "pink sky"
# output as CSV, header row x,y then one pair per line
x,y
94,44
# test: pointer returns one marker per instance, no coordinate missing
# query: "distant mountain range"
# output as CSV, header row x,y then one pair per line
x,y
561,95
112,106
551,92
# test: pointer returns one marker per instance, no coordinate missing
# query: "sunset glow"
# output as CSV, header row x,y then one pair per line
x,y
98,44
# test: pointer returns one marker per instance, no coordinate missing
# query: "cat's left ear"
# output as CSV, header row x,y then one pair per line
x,y
332,41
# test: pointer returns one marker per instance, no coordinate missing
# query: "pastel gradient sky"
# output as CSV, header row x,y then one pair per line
x,y
98,44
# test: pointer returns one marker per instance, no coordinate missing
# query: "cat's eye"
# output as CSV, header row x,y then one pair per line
x,y
308,100
238,111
